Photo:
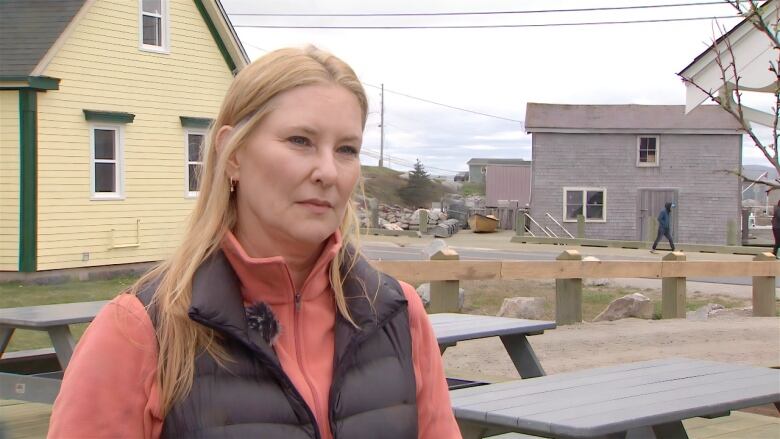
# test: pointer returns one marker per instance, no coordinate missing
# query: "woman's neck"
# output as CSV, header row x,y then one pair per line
x,y
300,260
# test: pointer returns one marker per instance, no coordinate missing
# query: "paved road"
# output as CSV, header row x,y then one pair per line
x,y
387,252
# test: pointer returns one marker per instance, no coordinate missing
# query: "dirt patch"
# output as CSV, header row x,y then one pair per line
x,y
729,338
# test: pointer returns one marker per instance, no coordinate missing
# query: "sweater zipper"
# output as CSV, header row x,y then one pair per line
x,y
299,354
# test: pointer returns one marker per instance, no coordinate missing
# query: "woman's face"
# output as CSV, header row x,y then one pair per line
x,y
297,171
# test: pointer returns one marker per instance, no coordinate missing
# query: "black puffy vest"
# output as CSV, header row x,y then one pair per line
x,y
373,392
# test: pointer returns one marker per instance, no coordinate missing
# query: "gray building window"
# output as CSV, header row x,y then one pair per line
x,y
589,202
647,151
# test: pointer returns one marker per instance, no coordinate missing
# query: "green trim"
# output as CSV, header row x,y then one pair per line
x,y
195,122
30,82
215,34
108,116
28,181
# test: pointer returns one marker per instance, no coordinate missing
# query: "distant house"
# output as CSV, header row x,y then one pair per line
x,y
618,164
103,107
508,185
478,167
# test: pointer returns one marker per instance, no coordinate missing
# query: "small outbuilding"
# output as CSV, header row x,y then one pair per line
x,y
617,165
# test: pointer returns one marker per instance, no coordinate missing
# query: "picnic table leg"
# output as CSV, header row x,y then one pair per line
x,y
473,430
672,430
522,355
63,343
5,338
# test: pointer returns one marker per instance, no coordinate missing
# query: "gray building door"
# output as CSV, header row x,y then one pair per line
x,y
649,205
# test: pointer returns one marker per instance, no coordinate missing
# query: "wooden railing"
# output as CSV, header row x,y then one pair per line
x,y
571,268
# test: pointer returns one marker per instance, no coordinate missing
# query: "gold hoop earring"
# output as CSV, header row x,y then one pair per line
x,y
232,185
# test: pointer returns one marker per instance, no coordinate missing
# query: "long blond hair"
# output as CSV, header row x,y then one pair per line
x,y
247,101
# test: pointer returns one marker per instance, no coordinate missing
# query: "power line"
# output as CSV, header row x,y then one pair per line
x,y
445,105
437,14
419,98
490,26
400,161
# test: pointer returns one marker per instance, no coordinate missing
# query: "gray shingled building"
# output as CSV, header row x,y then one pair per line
x,y
618,164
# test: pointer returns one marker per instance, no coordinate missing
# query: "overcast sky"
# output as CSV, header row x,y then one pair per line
x,y
493,71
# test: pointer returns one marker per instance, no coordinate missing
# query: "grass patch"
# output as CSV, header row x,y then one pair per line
x,y
472,188
14,294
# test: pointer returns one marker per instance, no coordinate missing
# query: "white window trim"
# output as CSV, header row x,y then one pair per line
x,y
585,205
120,166
657,152
164,22
187,192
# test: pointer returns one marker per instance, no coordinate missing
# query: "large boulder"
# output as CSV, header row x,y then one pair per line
x,y
424,291
633,305
523,308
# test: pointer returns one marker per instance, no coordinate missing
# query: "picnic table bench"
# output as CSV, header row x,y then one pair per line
x,y
645,399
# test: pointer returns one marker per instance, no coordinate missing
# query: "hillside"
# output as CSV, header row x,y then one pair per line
x,y
384,183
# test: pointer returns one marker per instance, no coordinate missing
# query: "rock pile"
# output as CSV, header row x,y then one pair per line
x,y
396,217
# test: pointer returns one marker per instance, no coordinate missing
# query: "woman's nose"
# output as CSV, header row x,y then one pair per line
x,y
325,169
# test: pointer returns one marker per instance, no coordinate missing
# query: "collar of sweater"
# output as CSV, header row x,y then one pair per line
x,y
268,279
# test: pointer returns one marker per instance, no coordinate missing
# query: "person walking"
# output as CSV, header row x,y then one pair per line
x,y
776,228
664,226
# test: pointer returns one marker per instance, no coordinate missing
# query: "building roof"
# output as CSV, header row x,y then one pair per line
x,y
498,162
28,28
627,118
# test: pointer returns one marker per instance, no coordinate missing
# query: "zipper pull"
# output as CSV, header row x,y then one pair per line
x,y
297,301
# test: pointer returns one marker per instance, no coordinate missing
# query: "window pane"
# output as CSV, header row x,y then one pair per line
x,y
573,204
152,31
195,141
595,197
105,177
650,157
153,6
595,212
194,174
595,207
104,144
642,156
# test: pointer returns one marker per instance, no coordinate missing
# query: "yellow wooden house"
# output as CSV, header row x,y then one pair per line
x,y
103,105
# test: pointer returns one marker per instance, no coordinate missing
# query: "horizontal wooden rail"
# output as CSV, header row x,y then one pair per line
x,y
418,271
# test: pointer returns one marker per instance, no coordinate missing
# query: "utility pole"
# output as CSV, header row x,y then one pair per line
x,y
382,128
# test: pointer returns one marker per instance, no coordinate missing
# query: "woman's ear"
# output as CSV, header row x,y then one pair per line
x,y
223,136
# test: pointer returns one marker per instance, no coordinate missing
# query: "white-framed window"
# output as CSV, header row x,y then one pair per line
x,y
586,201
647,151
153,25
106,164
194,161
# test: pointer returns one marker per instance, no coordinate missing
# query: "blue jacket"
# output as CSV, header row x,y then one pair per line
x,y
663,219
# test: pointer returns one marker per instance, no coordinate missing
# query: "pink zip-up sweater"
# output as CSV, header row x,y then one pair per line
x,y
110,391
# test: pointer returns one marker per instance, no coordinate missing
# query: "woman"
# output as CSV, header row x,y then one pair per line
x,y
266,322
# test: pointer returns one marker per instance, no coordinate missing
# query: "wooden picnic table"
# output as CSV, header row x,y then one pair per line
x,y
56,320
648,399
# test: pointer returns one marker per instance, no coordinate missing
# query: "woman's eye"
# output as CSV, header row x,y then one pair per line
x,y
299,140
350,150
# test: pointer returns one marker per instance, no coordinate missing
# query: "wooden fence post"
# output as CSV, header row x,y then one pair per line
x,y
673,291
731,232
519,222
580,226
764,290
423,221
445,294
568,294
373,204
